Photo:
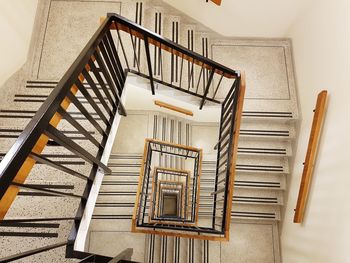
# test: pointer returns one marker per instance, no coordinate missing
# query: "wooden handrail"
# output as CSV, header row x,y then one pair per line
x,y
173,107
217,2
310,158
234,149
177,234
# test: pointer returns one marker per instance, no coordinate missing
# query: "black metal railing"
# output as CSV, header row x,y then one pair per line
x,y
220,197
97,78
155,51
177,182
93,86
224,154
145,213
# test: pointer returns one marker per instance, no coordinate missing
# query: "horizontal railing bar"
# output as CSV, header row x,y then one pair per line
x,y
92,102
218,191
33,252
43,160
28,234
55,186
103,84
57,136
97,92
20,220
78,126
28,224
28,186
85,113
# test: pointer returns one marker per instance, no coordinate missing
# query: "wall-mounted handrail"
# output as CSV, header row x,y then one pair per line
x,y
173,107
311,154
217,2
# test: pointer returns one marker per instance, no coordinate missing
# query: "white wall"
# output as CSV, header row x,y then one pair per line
x,y
244,18
16,26
321,39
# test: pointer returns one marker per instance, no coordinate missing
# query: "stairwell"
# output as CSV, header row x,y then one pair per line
x,y
267,136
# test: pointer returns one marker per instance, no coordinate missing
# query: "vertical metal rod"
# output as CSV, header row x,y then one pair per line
x,y
136,59
136,20
217,87
176,41
77,126
178,250
139,40
192,250
116,56
155,47
118,75
207,89
97,93
166,248
153,243
109,67
207,250
188,62
160,66
192,43
175,250
235,97
122,46
189,250
40,159
149,64
172,54
103,85
217,168
60,138
87,115
199,78
191,76
205,71
93,104
110,82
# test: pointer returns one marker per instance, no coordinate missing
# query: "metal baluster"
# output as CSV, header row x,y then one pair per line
x,y
122,46
103,86
110,82
149,63
134,49
97,93
108,67
199,79
93,104
113,57
207,89
40,159
60,138
87,115
217,87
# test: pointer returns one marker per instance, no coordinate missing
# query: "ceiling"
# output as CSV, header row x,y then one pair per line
x,y
248,18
